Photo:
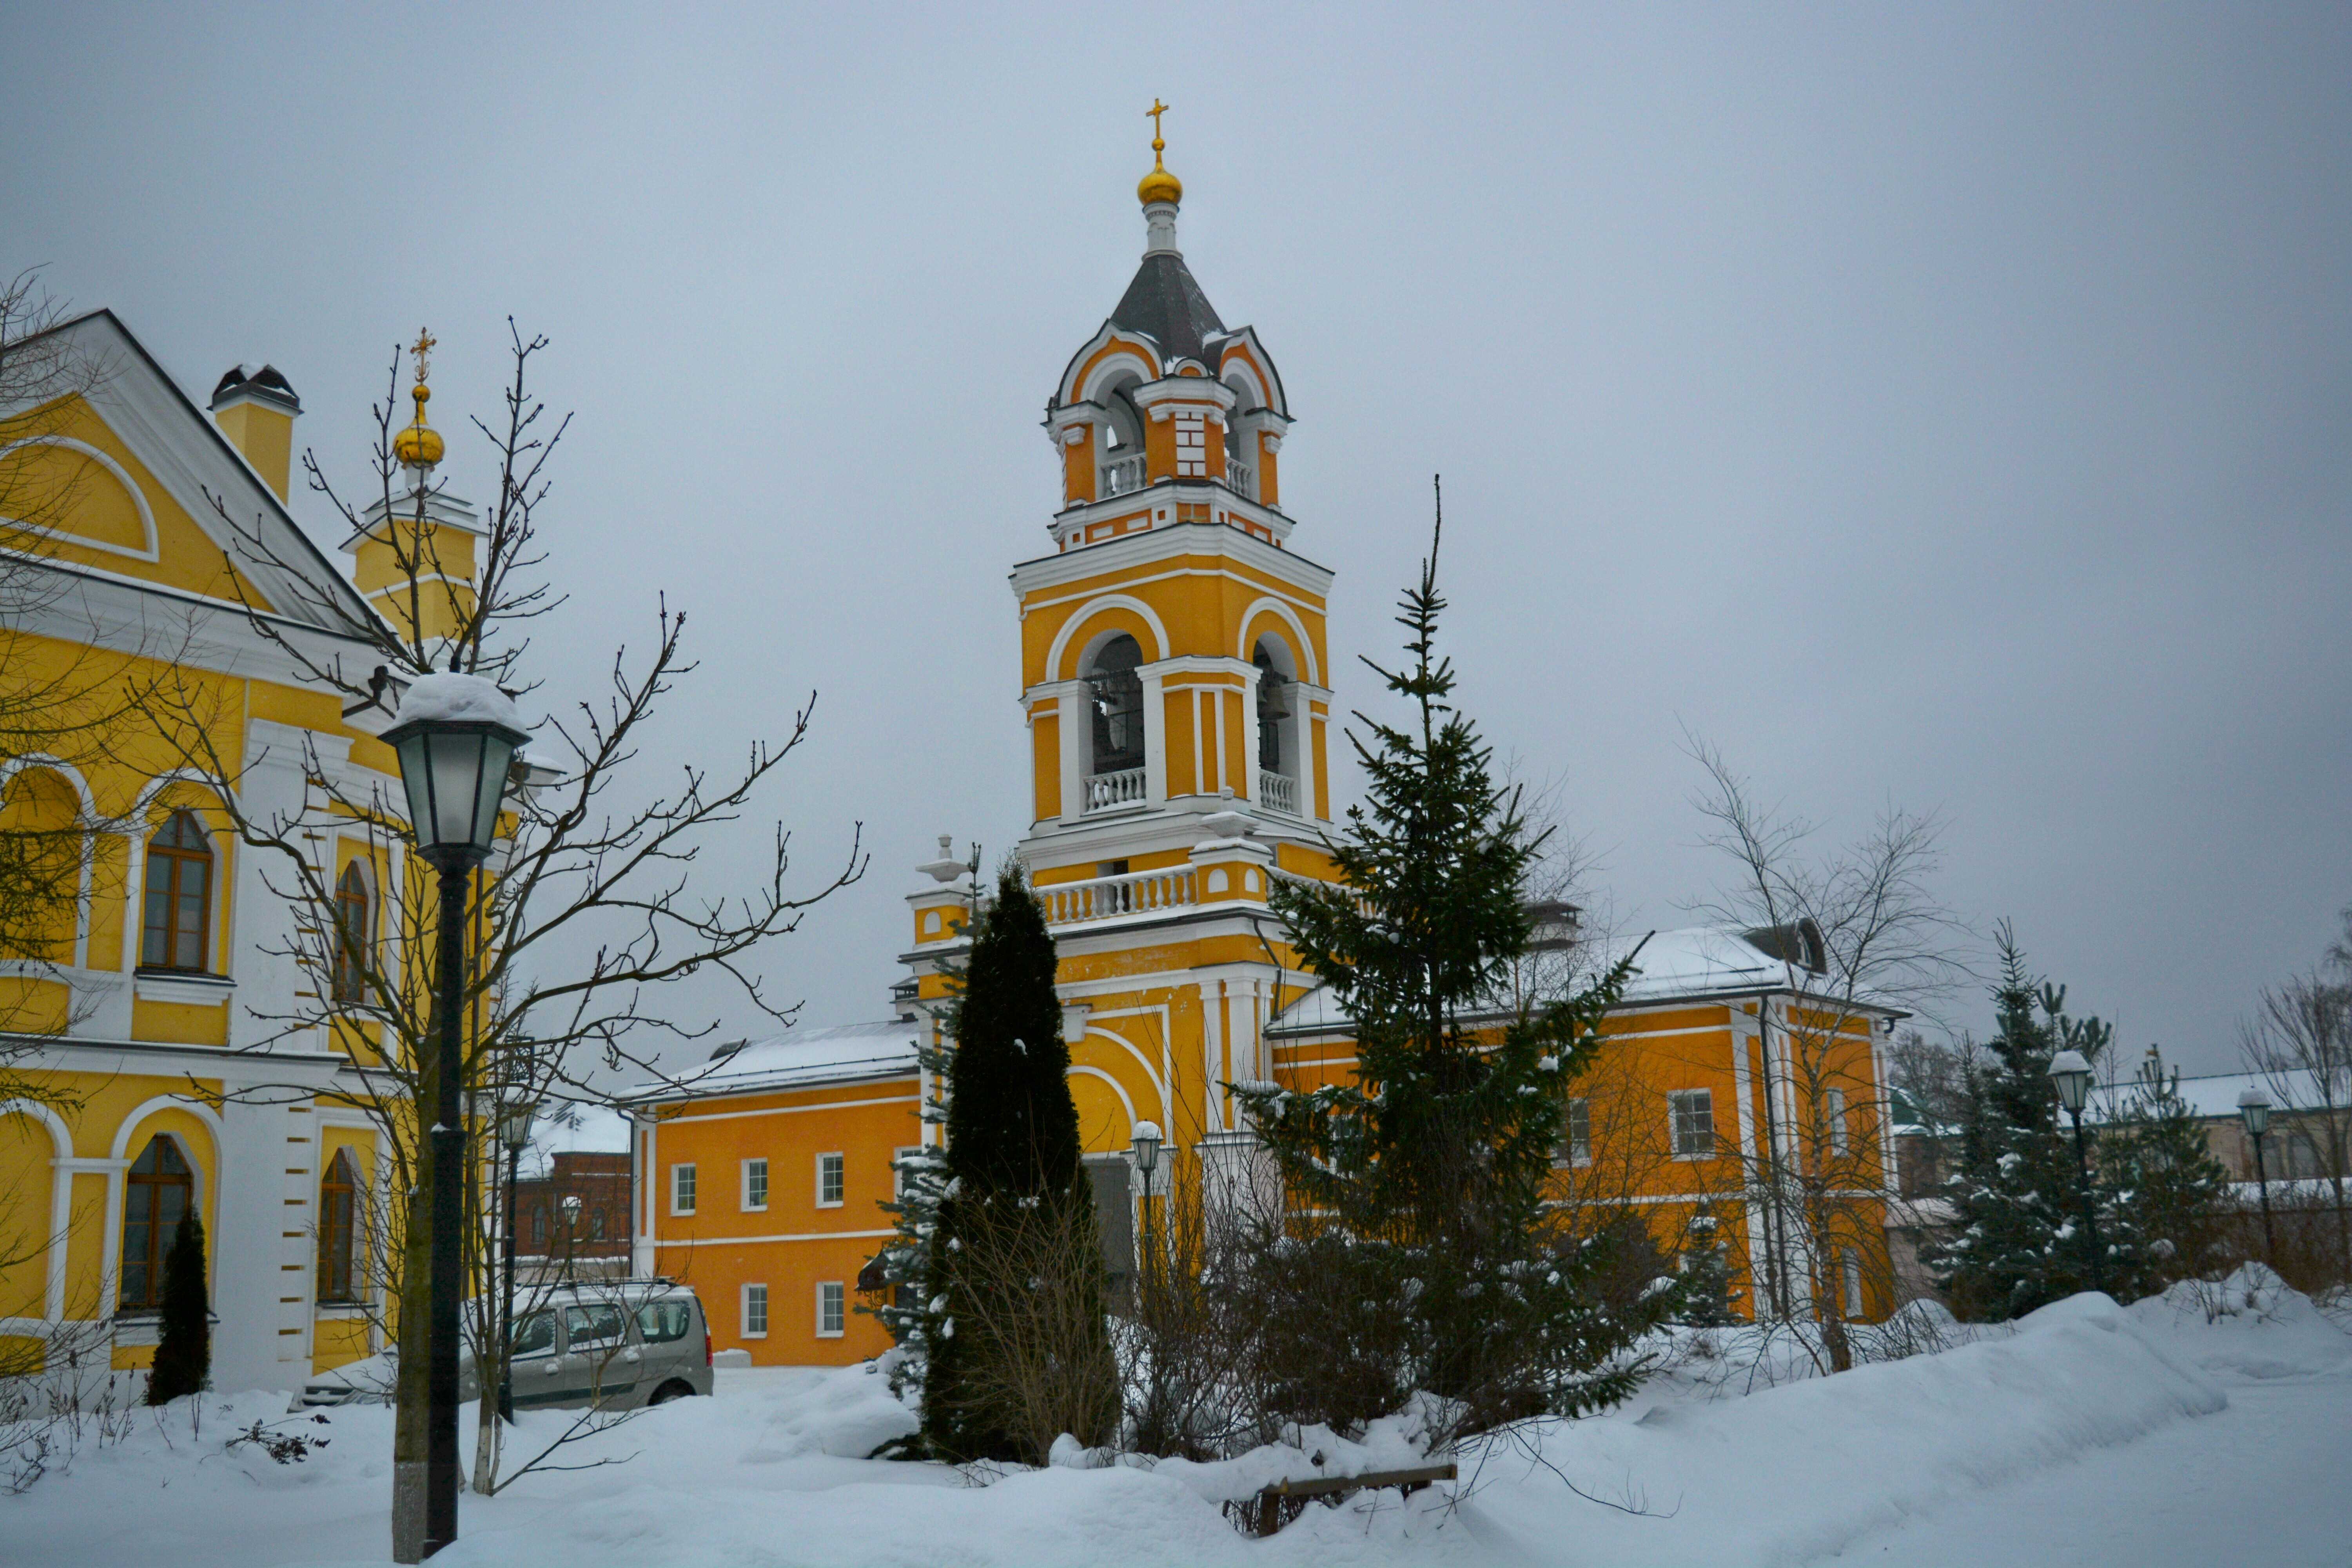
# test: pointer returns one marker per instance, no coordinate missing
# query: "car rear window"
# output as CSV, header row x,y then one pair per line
x,y
535,1335
661,1321
592,1325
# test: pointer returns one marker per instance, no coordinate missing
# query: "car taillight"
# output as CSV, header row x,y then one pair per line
x,y
706,1344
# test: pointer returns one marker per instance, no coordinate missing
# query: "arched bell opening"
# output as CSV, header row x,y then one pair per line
x,y
1115,762
1121,442
1279,730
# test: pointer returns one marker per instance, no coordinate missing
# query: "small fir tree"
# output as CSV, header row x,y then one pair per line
x,y
1431,1262
1011,1156
2166,1182
184,1348
2019,1241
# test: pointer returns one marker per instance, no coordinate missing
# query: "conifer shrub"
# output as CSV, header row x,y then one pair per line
x,y
1418,1255
184,1348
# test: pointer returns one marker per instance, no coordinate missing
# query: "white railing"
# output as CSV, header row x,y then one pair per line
x,y
1241,479
1104,898
1105,792
1278,792
1122,477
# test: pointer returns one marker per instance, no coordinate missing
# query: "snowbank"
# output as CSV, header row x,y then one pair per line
x,y
772,1470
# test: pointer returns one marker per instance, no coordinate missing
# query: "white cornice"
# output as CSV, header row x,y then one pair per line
x,y
1184,389
1166,541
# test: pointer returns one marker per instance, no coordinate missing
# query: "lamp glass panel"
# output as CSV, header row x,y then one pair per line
x,y
490,789
455,758
417,778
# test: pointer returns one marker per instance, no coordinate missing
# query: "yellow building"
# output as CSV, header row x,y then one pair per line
x,y
158,1013
1175,685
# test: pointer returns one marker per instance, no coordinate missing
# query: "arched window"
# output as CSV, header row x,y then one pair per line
x,y
338,1212
179,896
353,912
156,1193
1115,692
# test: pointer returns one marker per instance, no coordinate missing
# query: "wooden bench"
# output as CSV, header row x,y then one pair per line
x,y
1278,1504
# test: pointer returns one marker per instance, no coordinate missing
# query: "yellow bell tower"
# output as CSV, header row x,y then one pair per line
x,y
413,556
1174,680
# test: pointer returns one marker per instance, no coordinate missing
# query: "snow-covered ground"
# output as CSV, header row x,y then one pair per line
x,y
2174,1432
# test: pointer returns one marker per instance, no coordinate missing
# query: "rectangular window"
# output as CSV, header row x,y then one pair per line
x,y
755,1311
1852,1268
1692,1114
899,1158
755,1185
681,1189
1575,1134
829,1183
1839,1142
829,1310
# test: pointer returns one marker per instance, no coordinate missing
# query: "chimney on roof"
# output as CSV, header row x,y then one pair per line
x,y
255,408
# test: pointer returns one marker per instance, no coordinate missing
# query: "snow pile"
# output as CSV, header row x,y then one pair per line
x,y
2251,1325
772,1470
450,698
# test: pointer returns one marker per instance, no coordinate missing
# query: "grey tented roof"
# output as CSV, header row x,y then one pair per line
x,y
1166,305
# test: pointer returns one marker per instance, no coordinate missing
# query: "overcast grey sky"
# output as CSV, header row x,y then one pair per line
x,y
1947,406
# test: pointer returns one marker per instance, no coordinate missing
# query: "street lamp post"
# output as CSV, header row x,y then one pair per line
x,y
514,1132
1146,1144
456,737
2255,1107
2072,1073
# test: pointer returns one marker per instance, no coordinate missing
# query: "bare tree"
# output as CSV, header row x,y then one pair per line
x,y
2300,1042
1859,932
584,913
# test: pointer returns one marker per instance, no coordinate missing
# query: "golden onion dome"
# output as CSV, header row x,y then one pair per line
x,y
1158,185
419,445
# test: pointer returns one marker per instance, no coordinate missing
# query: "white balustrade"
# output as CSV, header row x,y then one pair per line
x,y
1122,477
1278,792
1241,479
1107,791
1107,898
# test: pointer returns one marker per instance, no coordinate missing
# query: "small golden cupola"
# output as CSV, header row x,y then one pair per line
x,y
1158,185
415,553
419,445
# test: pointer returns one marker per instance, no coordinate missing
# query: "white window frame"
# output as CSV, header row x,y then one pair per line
x,y
1840,1136
1567,1155
754,1168
841,1169
1674,1117
683,1184
839,1300
753,1295
899,1158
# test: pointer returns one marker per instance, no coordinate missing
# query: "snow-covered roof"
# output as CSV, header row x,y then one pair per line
x,y
576,1129
2216,1094
1672,965
845,1053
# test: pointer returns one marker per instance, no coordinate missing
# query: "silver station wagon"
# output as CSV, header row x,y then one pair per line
x,y
615,1346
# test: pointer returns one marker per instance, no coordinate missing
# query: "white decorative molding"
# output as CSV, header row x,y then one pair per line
x,y
151,551
207,991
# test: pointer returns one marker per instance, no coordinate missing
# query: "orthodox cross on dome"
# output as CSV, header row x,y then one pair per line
x,y
1158,185
423,349
1156,110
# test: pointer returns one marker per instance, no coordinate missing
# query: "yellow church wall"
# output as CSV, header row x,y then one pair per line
x,y
1196,621
339,1336
1046,742
180,554
1176,725
26,1147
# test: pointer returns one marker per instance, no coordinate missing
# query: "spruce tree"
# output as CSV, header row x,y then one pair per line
x,y
2167,1184
1432,1263
1012,1165
2019,1241
184,1348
